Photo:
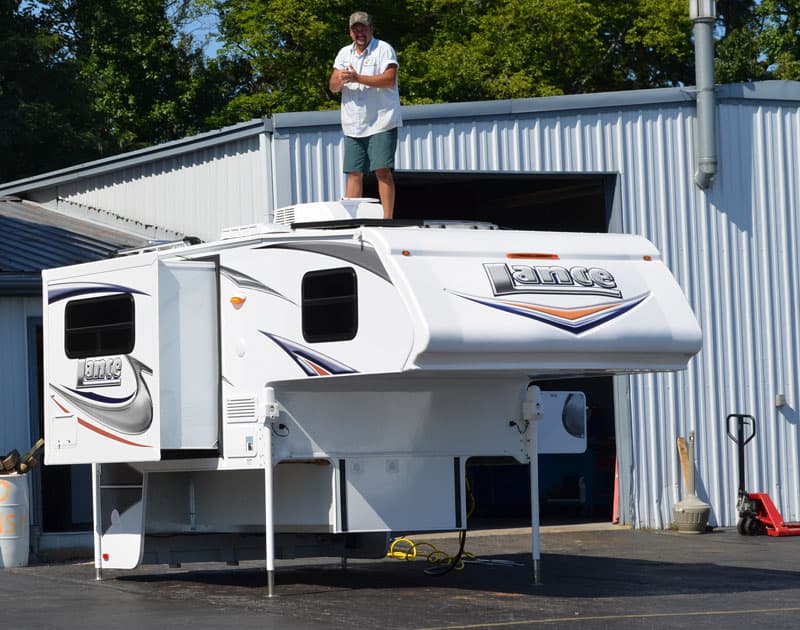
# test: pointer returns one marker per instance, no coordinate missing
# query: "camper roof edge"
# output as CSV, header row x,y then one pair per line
x,y
339,215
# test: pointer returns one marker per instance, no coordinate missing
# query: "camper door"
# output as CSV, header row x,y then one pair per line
x,y
101,362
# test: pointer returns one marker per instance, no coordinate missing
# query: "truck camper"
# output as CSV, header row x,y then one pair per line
x,y
315,386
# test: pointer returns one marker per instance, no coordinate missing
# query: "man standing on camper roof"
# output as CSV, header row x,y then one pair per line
x,y
365,72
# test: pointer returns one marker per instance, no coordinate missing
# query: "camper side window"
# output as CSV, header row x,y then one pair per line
x,y
330,305
99,326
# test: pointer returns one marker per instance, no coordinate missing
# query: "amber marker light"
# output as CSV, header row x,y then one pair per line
x,y
647,257
238,301
532,255
405,252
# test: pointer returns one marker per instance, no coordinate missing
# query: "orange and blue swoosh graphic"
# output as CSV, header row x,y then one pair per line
x,y
311,362
575,320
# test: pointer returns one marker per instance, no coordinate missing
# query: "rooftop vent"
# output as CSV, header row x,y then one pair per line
x,y
253,229
361,208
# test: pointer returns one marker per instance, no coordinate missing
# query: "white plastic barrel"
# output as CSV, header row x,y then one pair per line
x,y
14,530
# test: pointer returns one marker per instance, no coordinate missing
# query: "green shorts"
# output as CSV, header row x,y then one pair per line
x,y
370,153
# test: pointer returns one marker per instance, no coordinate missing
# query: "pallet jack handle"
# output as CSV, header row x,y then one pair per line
x,y
743,421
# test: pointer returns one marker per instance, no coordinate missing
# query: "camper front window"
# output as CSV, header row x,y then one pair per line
x,y
330,305
99,326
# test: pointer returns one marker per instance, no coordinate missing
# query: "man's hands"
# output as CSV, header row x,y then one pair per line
x,y
349,75
340,77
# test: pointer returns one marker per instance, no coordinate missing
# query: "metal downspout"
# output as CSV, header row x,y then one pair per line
x,y
703,13
266,148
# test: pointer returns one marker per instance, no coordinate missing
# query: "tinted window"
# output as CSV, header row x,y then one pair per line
x,y
330,305
99,326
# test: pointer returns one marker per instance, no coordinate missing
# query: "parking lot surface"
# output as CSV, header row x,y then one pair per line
x,y
592,577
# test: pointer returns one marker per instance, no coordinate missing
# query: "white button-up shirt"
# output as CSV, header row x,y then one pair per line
x,y
368,110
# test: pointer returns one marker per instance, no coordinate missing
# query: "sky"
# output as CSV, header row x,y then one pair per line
x,y
202,29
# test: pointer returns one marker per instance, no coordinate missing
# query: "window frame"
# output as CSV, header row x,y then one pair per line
x,y
312,332
101,331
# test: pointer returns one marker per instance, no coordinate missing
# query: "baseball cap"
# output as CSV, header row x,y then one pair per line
x,y
360,17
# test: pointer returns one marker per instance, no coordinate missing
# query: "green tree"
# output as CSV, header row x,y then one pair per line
x,y
523,48
737,52
141,73
288,46
779,39
83,79
758,40
451,50
45,119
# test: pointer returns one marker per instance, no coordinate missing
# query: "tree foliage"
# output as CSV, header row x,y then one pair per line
x,y
759,40
451,50
81,79
525,48
779,39
459,50
287,46
42,102
142,75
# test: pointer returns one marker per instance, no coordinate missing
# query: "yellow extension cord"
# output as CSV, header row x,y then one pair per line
x,y
406,549
403,548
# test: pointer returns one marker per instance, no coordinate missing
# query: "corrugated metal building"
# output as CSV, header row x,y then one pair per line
x,y
616,161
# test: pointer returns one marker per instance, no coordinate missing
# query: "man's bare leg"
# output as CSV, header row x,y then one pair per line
x,y
386,191
355,185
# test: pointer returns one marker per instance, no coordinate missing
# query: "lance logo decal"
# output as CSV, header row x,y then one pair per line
x,y
508,279
131,414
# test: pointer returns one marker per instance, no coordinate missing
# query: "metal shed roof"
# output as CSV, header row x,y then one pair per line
x,y
33,238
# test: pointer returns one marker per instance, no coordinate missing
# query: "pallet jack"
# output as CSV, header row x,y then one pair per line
x,y
757,512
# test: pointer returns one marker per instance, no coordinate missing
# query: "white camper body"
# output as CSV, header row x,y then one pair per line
x,y
286,392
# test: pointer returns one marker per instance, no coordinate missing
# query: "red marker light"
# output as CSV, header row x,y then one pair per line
x,y
533,255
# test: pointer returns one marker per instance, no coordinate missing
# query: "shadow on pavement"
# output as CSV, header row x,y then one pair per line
x,y
564,575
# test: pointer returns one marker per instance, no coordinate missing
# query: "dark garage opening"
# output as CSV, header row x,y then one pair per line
x,y
569,203
571,487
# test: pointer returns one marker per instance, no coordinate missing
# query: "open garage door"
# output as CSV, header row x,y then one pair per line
x,y
569,203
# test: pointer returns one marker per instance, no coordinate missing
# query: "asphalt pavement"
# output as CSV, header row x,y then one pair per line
x,y
593,576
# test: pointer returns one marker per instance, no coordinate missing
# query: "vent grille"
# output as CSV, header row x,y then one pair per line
x,y
284,216
241,409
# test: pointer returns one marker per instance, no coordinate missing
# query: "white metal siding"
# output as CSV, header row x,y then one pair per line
x,y
308,166
196,193
735,253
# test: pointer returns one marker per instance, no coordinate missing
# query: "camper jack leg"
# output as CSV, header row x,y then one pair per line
x,y
531,413
98,523
271,413
270,527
